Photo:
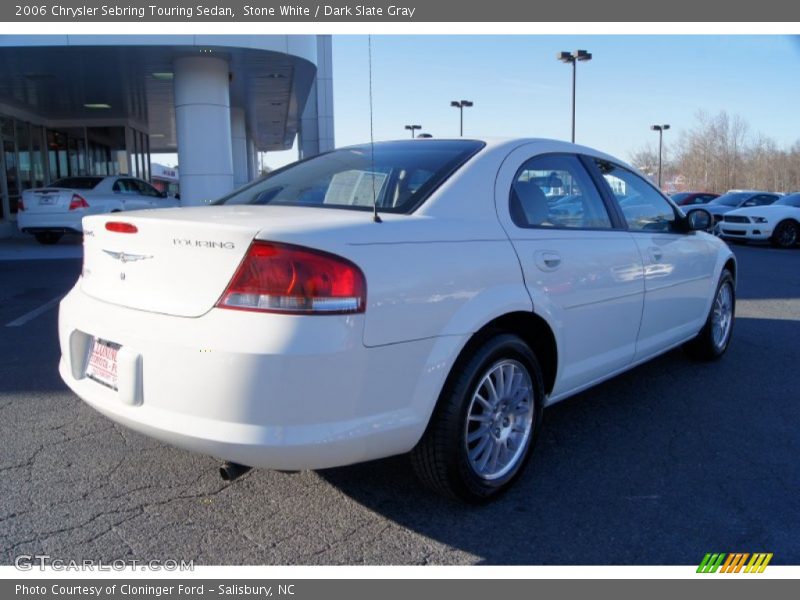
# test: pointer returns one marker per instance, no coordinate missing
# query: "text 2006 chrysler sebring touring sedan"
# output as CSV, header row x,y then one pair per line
x,y
289,327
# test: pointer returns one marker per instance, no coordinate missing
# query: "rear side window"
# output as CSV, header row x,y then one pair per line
x,y
125,186
77,183
555,190
643,208
144,188
396,176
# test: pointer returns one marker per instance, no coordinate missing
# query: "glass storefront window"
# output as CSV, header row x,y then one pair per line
x,y
37,157
33,156
24,154
57,154
9,150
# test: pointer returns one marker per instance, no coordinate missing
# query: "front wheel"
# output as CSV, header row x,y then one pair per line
x,y
785,235
715,336
485,424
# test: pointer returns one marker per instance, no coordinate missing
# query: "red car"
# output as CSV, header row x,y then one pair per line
x,y
688,198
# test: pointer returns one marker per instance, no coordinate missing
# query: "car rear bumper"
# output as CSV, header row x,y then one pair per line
x,y
264,390
745,231
62,222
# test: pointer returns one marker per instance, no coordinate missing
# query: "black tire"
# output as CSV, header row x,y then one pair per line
x,y
786,235
704,347
441,459
48,238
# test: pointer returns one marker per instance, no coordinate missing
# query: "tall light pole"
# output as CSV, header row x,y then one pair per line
x,y
413,128
660,129
573,58
461,105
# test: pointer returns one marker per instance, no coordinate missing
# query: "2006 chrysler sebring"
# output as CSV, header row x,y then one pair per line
x,y
294,325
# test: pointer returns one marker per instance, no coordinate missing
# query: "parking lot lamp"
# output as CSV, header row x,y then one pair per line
x,y
461,105
412,129
573,58
660,129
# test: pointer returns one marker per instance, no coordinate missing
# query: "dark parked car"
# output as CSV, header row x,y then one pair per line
x,y
689,198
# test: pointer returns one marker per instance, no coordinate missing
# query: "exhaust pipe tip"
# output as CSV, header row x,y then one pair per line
x,y
230,471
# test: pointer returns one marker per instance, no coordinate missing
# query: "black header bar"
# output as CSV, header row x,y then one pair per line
x,y
411,11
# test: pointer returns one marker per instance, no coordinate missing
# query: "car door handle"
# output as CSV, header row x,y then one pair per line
x,y
547,260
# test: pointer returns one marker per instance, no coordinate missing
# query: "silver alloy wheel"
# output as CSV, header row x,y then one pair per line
x,y
722,317
499,419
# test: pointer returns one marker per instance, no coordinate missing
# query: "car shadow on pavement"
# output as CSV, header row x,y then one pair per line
x,y
657,466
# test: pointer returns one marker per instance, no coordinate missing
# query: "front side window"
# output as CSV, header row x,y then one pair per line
x,y
396,176
642,206
555,190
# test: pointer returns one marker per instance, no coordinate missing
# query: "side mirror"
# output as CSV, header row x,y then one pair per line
x,y
699,220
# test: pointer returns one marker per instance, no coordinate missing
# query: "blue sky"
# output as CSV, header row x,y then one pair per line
x,y
520,89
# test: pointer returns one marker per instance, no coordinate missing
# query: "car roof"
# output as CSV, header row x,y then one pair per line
x,y
505,145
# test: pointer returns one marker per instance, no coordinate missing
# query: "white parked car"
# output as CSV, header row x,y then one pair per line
x,y
50,212
779,223
289,327
734,199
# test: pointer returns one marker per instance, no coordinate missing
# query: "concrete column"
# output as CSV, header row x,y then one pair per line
x,y
203,124
239,147
316,123
251,165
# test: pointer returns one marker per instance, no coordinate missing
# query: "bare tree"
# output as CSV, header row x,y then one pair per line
x,y
719,154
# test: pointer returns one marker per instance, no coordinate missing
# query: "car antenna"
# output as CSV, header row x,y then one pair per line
x,y
375,216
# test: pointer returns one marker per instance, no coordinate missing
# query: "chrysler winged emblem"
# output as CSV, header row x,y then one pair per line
x,y
125,257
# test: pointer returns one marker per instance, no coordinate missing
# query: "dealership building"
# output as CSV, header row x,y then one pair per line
x,y
101,105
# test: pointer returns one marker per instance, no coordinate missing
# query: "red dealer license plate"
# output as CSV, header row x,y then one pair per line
x,y
102,366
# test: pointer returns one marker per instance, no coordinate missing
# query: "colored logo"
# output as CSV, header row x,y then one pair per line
x,y
735,562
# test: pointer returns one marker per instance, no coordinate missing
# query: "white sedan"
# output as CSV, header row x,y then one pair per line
x,y
417,295
779,223
50,212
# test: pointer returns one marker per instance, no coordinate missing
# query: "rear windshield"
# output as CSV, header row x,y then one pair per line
x,y
397,176
77,183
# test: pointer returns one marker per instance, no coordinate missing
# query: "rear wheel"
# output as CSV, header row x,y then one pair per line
x,y
786,234
485,424
715,336
48,238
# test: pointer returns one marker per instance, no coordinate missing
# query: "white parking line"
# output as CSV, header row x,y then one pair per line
x,y
34,313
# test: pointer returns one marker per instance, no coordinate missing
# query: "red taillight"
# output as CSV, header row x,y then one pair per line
x,y
77,202
291,279
120,227
20,205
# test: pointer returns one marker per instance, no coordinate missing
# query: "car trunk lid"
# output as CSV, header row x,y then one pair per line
x,y
180,260
42,200
177,262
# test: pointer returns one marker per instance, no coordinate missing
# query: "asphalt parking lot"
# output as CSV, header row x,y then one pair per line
x,y
658,466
